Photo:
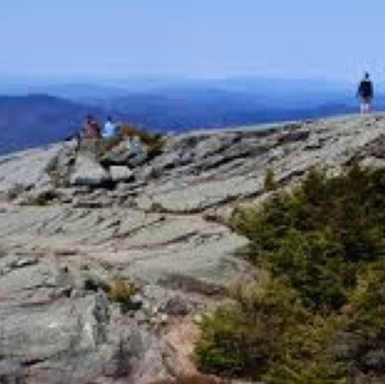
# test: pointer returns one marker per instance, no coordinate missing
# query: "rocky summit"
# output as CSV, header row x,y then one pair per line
x,y
105,270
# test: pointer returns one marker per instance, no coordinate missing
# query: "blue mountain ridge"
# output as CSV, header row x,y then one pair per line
x,y
37,119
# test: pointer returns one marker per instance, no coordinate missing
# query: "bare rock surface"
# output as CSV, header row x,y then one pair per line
x,y
159,224
152,247
56,331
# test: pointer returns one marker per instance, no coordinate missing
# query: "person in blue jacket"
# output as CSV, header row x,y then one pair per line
x,y
109,129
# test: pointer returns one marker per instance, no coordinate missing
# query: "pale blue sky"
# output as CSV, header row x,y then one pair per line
x,y
192,38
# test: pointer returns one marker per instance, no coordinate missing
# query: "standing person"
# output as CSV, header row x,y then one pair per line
x,y
109,129
365,93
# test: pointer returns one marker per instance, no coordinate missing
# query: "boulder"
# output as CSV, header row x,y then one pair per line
x,y
58,168
65,338
138,159
125,154
88,172
120,173
118,155
10,191
25,169
43,332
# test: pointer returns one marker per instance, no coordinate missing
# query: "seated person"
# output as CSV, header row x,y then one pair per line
x,y
91,128
109,130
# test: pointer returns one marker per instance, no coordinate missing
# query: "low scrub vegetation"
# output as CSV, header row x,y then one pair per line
x,y
270,182
241,339
319,319
121,291
154,141
319,235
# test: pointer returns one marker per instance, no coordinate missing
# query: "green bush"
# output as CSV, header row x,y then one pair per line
x,y
319,235
362,338
305,355
367,303
316,268
320,320
266,334
242,338
270,183
155,142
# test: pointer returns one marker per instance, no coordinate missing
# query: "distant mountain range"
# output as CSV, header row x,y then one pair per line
x,y
32,119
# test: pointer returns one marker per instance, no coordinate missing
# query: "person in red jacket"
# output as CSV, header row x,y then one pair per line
x,y
91,128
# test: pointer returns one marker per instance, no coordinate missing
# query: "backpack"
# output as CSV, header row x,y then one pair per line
x,y
365,89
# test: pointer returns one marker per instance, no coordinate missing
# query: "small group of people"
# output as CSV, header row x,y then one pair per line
x,y
365,93
93,130
129,146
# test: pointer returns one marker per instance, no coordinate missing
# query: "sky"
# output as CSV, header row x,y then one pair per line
x,y
333,39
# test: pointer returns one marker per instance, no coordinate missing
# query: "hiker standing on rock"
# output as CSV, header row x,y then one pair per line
x,y
365,93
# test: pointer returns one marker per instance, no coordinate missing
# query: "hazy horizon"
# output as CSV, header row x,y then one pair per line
x,y
334,41
112,81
